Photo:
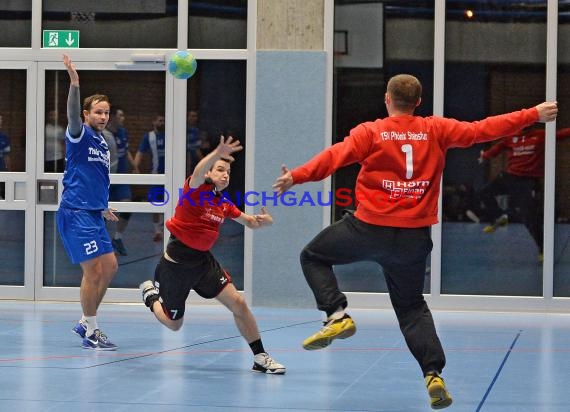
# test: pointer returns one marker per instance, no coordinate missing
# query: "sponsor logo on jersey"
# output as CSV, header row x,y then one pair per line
x,y
414,189
96,155
399,136
211,217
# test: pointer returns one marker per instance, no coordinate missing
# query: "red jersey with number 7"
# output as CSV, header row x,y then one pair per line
x,y
402,159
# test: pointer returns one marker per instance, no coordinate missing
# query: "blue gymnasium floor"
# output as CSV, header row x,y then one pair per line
x,y
496,362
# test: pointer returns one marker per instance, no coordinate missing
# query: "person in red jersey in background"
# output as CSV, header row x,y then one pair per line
x,y
521,181
188,263
402,158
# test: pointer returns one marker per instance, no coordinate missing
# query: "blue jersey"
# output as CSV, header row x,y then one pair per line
x,y
4,150
122,140
154,143
86,176
193,141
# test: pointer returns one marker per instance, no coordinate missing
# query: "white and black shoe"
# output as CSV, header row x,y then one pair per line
x,y
149,293
263,363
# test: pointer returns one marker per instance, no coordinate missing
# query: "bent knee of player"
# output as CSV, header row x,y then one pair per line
x,y
233,300
97,269
168,318
174,325
107,266
307,256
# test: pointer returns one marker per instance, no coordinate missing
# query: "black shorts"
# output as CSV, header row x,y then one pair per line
x,y
194,269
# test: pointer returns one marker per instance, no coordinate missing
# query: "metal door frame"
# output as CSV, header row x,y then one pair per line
x,y
23,183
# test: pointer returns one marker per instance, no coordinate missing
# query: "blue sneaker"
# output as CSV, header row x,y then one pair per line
x,y
98,341
80,329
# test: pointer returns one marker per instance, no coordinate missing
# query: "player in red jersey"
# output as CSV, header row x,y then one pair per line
x,y
520,181
402,158
188,264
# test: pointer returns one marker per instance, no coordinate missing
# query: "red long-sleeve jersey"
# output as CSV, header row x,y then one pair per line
x,y
198,216
402,159
525,151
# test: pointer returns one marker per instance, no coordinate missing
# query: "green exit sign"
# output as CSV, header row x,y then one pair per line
x,y
61,38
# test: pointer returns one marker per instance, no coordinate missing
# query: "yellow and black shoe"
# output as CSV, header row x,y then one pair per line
x,y
333,329
439,397
502,220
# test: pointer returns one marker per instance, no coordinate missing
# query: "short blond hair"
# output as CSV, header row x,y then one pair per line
x,y
405,91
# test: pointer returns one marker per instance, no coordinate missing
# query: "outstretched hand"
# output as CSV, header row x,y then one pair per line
x,y
227,146
547,111
71,70
283,182
264,218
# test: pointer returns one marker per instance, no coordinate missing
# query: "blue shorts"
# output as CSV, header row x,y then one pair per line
x,y
119,192
83,234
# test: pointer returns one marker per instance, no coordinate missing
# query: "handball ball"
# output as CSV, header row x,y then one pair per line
x,y
182,64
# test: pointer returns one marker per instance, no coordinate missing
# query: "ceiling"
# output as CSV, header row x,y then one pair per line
x,y
483,10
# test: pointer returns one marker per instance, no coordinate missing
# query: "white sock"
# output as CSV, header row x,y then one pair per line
x,y
338,314
91,323
117,236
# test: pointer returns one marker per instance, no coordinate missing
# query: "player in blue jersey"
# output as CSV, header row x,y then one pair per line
x,y
116,131
193,141
84,205
153,143
4,150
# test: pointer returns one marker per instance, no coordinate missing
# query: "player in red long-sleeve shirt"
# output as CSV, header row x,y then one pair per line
x,y
188,263
402,158
520,181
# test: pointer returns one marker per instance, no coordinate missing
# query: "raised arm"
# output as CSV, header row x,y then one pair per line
x,y
73,100
224,150
283,182
353,149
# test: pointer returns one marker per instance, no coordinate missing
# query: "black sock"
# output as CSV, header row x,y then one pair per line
x,y
257,347
150,301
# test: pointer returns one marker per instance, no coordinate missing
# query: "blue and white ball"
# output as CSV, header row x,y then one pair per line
x,y
182,65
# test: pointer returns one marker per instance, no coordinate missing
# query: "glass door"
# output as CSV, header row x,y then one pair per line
x,y
139,185
17,189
